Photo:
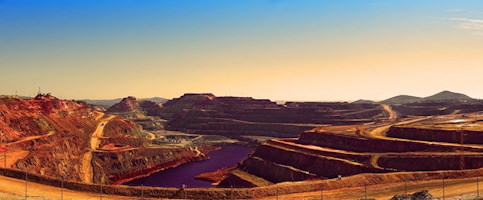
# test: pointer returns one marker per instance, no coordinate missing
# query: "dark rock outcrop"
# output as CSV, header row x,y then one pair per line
x,y
421,195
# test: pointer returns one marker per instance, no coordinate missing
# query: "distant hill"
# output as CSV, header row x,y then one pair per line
x,y
401,99
364,101
107,103
447,95
441,96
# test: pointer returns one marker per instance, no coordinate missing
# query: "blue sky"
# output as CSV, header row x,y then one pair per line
x,y
294,50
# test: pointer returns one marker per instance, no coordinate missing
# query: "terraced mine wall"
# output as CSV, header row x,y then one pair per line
x,y
275,172
290,143
431,163
122,166
438,108
246,193
360,144
316,165
227,127
208,114
439,135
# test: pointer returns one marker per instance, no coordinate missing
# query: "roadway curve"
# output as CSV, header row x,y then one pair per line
x,y
95,141
392,115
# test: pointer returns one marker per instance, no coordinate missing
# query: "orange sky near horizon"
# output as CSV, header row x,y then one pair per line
x,y
280,50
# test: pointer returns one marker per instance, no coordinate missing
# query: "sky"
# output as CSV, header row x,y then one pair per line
x,y
310,50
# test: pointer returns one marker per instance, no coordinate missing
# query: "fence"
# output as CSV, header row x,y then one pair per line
x,y
347,188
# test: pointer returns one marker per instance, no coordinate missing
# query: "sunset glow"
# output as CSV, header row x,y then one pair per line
x,y
276,49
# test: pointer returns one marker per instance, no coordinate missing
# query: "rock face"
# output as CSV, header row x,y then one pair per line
x,y
131,104
54,137
143,112
438,134
421,195
116,167
208,114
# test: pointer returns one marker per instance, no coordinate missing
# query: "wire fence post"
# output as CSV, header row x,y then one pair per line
x,y
443,188
321,192
5,160
62,188
365,191
142,191
477,186
231,192
26,184
405,188
276,189
100,194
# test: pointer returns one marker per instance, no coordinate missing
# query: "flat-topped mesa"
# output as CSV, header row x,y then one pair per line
x,y
207,101
190,98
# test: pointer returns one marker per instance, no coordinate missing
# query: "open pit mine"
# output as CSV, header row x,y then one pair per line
x,y
302,150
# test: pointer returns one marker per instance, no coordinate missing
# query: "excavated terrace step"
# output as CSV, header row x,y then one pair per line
x,y
255,180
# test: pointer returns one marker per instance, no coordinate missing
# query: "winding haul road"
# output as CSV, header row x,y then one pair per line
x,y
95,141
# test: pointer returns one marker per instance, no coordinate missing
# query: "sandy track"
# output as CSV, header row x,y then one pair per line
x,y
390,111
16,186
25,139
461,189
95,141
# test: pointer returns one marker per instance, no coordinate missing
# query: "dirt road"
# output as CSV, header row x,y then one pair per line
x,y
17,186
392,114
86,163
461,189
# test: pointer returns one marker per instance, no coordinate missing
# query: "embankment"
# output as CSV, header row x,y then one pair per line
x,y
247,193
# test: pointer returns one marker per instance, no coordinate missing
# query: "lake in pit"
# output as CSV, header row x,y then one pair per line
x,y
227,156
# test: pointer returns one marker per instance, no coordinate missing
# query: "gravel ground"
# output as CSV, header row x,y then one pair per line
x,y
8,196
